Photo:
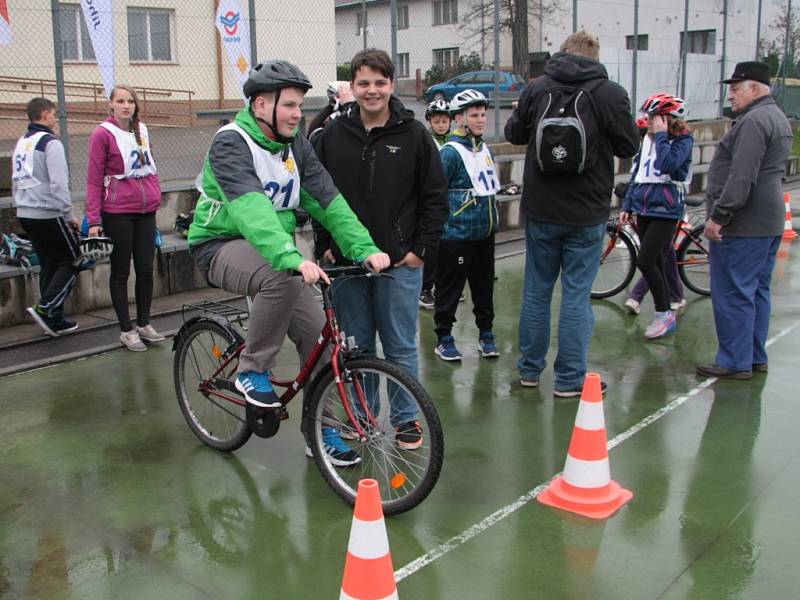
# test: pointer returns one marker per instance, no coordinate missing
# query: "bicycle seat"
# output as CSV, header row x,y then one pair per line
x,y
694,201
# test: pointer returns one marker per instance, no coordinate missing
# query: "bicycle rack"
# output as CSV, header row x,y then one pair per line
x,y
230,313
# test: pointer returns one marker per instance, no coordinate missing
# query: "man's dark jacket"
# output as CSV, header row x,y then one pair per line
x,y
392,178
583,199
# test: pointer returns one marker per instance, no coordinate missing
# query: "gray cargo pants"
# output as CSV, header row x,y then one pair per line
x,y
282,304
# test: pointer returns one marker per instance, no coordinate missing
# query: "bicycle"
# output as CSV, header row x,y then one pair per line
x,y
621,249
351,393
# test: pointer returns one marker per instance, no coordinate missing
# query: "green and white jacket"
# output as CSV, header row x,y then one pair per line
x,y
249,189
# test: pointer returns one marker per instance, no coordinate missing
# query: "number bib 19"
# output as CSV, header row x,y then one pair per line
x,y
280,179
480,168
647,172
22,173
138,159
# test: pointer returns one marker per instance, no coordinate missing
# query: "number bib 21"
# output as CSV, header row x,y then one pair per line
x,y
280,179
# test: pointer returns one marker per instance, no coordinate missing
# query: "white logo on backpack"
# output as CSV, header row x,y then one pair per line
x,y
559,153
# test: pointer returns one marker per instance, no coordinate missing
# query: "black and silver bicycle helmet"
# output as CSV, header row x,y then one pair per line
x,y
437,107
92,250
273,75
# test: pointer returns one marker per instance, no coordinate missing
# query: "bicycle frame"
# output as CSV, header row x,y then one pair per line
x,y
331,335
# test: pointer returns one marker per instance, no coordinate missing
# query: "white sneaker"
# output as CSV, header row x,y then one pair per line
x,y
148,334
676,305
132,341
633,306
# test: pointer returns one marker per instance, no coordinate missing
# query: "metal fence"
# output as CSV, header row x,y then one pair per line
x,y
172,54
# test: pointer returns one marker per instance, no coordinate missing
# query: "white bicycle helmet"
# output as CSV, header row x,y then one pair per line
x,y
465,99
93,249
437,107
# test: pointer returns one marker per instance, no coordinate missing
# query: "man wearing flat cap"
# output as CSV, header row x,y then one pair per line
x,y
745,212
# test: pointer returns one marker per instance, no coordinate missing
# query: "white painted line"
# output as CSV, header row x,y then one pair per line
x,y
501,513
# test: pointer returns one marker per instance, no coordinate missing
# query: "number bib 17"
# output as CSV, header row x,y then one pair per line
x,y
480,168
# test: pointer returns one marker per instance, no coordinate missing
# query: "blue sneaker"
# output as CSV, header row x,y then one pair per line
x,y
257,389
446,349
487,345
339,453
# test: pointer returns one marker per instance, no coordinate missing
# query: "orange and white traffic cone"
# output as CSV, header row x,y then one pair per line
x,y
788,232
586,487
368,572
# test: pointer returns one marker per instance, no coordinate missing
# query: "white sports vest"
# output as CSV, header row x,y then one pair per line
x,y
138,159
480,168
22,167
280,179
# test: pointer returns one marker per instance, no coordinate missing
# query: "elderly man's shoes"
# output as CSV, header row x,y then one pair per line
x,y
722,373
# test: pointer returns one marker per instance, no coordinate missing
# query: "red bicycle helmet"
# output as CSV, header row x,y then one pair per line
x,y
664,104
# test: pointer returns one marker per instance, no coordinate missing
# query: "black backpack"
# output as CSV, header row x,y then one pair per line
x,y
567,129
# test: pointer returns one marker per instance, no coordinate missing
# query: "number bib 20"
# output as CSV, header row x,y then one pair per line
x,y
138,158
480,168
280,179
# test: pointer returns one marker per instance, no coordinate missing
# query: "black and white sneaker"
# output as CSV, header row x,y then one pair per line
x,y
42,320
64,325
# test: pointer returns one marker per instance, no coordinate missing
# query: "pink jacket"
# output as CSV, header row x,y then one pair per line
x,y
141,195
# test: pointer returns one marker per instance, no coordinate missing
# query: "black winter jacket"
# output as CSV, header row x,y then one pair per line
x,y
392,178
577,200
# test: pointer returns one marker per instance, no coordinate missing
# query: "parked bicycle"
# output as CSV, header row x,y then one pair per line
x,y
621,249
351,393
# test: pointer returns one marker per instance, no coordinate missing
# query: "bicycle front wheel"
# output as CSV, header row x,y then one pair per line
x,y
617,263
405,463
693,263
218,422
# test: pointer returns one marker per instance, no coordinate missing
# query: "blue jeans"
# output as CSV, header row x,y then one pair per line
x,y
575,253
389,307
741,269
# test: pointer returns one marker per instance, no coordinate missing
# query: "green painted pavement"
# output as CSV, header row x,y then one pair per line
x,y
105,493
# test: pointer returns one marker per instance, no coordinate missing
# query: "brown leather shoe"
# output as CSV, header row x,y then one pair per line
x,y
722,372
760,367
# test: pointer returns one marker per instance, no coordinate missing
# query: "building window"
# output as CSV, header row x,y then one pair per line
x,y
445,58
643,44
445,12
150,35
699,42
75,41
402,16
402,65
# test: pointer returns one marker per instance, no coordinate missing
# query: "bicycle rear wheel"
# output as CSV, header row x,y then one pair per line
x,y
617,263
405,476
693,263
201,350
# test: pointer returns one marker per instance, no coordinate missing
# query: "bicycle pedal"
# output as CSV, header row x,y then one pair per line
x,y
264,422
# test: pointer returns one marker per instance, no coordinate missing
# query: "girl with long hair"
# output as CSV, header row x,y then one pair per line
x,y
123,193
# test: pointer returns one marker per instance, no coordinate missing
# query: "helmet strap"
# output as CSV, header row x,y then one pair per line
x,y
278,137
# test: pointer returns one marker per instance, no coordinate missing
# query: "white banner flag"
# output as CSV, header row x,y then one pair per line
x,y
235,34
100,23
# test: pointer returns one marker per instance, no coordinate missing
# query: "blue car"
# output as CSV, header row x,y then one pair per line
x,y
483,81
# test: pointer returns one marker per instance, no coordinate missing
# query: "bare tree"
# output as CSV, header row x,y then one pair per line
x,y
515,15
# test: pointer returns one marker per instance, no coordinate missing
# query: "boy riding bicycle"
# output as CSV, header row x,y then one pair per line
x,y
258,171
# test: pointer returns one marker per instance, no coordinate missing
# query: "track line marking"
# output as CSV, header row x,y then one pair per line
x,y
501,513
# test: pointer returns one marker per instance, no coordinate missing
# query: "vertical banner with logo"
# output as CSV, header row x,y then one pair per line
x,y
5,24
100,23
235,36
